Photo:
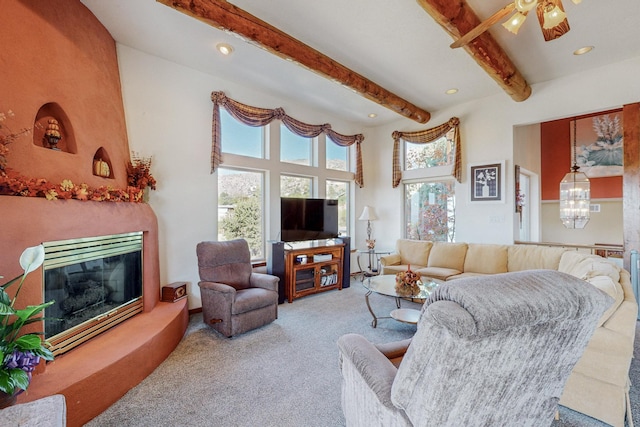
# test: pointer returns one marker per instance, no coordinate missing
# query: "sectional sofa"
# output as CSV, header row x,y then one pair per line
x,y
599,384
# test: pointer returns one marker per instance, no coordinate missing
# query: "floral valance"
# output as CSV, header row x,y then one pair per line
x,y
255,116
424,137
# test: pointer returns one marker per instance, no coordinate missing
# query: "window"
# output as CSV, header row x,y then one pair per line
x,y
430,210
285,167
240,208
440,152
340,190
240,139
295,186
337,156
295,149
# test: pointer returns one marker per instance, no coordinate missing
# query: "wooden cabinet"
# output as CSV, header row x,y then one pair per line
x,y
312,270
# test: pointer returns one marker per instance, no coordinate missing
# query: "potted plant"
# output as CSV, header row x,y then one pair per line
x,y
20,353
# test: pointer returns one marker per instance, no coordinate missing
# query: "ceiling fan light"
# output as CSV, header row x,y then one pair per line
x,y
553,16
514,23
525,5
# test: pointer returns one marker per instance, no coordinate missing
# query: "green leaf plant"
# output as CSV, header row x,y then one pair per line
x,y
21,353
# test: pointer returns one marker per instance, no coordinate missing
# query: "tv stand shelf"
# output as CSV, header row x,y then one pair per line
x,y
309,267
306,276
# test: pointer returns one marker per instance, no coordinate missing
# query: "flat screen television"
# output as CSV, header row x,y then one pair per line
x,y
308,219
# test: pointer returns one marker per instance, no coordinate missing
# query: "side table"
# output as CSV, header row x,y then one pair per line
x,y
373,257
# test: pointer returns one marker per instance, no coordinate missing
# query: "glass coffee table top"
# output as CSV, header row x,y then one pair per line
x,y
386,285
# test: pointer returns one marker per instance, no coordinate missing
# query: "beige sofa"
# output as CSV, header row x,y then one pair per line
x,y
599,383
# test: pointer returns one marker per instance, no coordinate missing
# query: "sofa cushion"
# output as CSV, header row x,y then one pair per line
x,y
486,259
611,288
527,257
414,252
394,269
448,255
585,266
441,273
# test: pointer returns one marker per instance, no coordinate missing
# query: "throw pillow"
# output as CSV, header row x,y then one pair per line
x,y
611,288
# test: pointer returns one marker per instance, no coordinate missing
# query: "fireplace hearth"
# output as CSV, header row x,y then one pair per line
x,y
96,283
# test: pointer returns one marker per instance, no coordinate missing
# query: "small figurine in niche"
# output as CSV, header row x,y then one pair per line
x,y
52,134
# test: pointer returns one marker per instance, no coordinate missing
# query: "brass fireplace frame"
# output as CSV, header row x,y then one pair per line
x,y
67,252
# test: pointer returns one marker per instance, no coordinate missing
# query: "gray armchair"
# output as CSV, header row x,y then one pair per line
x,y
489,351
234,298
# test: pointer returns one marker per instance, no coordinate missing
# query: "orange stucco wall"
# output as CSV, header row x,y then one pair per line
x,y
556,147
55,52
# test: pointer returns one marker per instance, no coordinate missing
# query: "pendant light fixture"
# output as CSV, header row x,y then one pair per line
x,y
575,194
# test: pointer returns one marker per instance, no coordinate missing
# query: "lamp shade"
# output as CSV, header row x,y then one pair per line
x,y
515,22
368,214
553,15
525,5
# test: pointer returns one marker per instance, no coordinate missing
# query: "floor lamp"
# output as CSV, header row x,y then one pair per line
x,y
368,214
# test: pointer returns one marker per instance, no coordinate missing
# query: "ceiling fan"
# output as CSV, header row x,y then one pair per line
x,y
553,20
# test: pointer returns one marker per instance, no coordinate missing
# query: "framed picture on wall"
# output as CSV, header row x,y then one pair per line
x,y
599,144
486,182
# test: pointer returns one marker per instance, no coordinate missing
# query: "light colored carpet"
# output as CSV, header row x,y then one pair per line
x,y
285,374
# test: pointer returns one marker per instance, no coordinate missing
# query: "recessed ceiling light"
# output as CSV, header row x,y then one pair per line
x,y
451,91
372,115
583,50
224,48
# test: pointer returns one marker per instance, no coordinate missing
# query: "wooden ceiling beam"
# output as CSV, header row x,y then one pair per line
x,y
227,17
457,18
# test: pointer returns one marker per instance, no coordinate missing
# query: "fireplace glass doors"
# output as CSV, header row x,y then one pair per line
x,y
95,282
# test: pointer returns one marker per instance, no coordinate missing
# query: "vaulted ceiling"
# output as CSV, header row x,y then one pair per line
x,y
371,56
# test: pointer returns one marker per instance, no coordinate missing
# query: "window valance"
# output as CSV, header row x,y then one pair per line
x,y
256,116
424,137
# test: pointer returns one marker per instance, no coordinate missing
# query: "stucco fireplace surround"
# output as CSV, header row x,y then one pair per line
x,y
98,372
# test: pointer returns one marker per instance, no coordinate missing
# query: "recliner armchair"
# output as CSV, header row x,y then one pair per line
x,y
234,298
488,351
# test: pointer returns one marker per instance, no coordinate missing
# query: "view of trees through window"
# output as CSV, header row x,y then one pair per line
x,y
430,211
437,153
340,190
240,208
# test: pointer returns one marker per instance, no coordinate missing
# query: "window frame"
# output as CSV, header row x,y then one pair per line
x,y
273,168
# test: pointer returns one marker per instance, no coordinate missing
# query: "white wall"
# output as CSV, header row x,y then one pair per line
x,y
168,112
604,227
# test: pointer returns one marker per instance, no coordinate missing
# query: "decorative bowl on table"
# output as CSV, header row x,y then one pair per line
x,y
408,283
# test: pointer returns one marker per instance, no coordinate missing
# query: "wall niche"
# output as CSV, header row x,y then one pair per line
x,y
53,130
102,164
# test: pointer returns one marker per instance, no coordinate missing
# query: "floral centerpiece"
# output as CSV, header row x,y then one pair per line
x,y
408,283
20,353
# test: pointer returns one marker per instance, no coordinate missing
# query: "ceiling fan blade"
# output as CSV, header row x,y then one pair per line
x,y
484,26
559,29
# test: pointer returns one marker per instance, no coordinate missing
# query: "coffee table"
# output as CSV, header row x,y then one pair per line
x,y
386,285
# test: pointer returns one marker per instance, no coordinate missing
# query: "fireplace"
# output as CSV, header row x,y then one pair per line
x,y
96,283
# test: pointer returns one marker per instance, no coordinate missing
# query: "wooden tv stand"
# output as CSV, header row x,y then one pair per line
x,y
312,270
281,262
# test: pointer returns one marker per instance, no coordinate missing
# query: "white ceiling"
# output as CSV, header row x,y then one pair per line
x,y
393,43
